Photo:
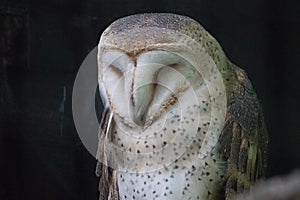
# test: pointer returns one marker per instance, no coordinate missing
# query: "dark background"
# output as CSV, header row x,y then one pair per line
x,y
43,44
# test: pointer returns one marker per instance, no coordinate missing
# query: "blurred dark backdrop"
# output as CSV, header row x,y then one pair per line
x,y
44,42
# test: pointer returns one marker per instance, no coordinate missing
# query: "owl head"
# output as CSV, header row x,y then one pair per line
x,y
160,71
147,61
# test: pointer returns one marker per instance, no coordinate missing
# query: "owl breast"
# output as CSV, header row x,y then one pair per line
x,y
175,157
187,178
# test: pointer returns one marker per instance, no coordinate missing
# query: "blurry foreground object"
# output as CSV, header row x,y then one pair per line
x,y
277,188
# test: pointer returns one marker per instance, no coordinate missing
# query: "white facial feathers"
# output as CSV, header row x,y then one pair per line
x,y
138,87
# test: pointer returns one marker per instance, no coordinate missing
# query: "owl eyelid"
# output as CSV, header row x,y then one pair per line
x,y
115,69
174,64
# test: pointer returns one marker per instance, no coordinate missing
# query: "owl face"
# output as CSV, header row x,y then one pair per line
x,y
139,88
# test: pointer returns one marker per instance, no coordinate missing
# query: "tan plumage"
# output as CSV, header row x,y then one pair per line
x,y
236,160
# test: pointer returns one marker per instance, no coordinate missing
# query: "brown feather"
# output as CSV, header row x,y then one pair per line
x,y
244,139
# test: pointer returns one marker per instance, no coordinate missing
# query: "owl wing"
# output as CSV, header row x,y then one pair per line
x,y
108,186
244,138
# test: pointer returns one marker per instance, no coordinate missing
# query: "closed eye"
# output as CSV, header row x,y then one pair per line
x,y
117,71
174,65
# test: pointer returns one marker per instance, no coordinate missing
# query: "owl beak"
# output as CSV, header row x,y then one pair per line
x,y
142,90
142,99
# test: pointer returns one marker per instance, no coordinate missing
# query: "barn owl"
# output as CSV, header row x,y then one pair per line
x,y
180,120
